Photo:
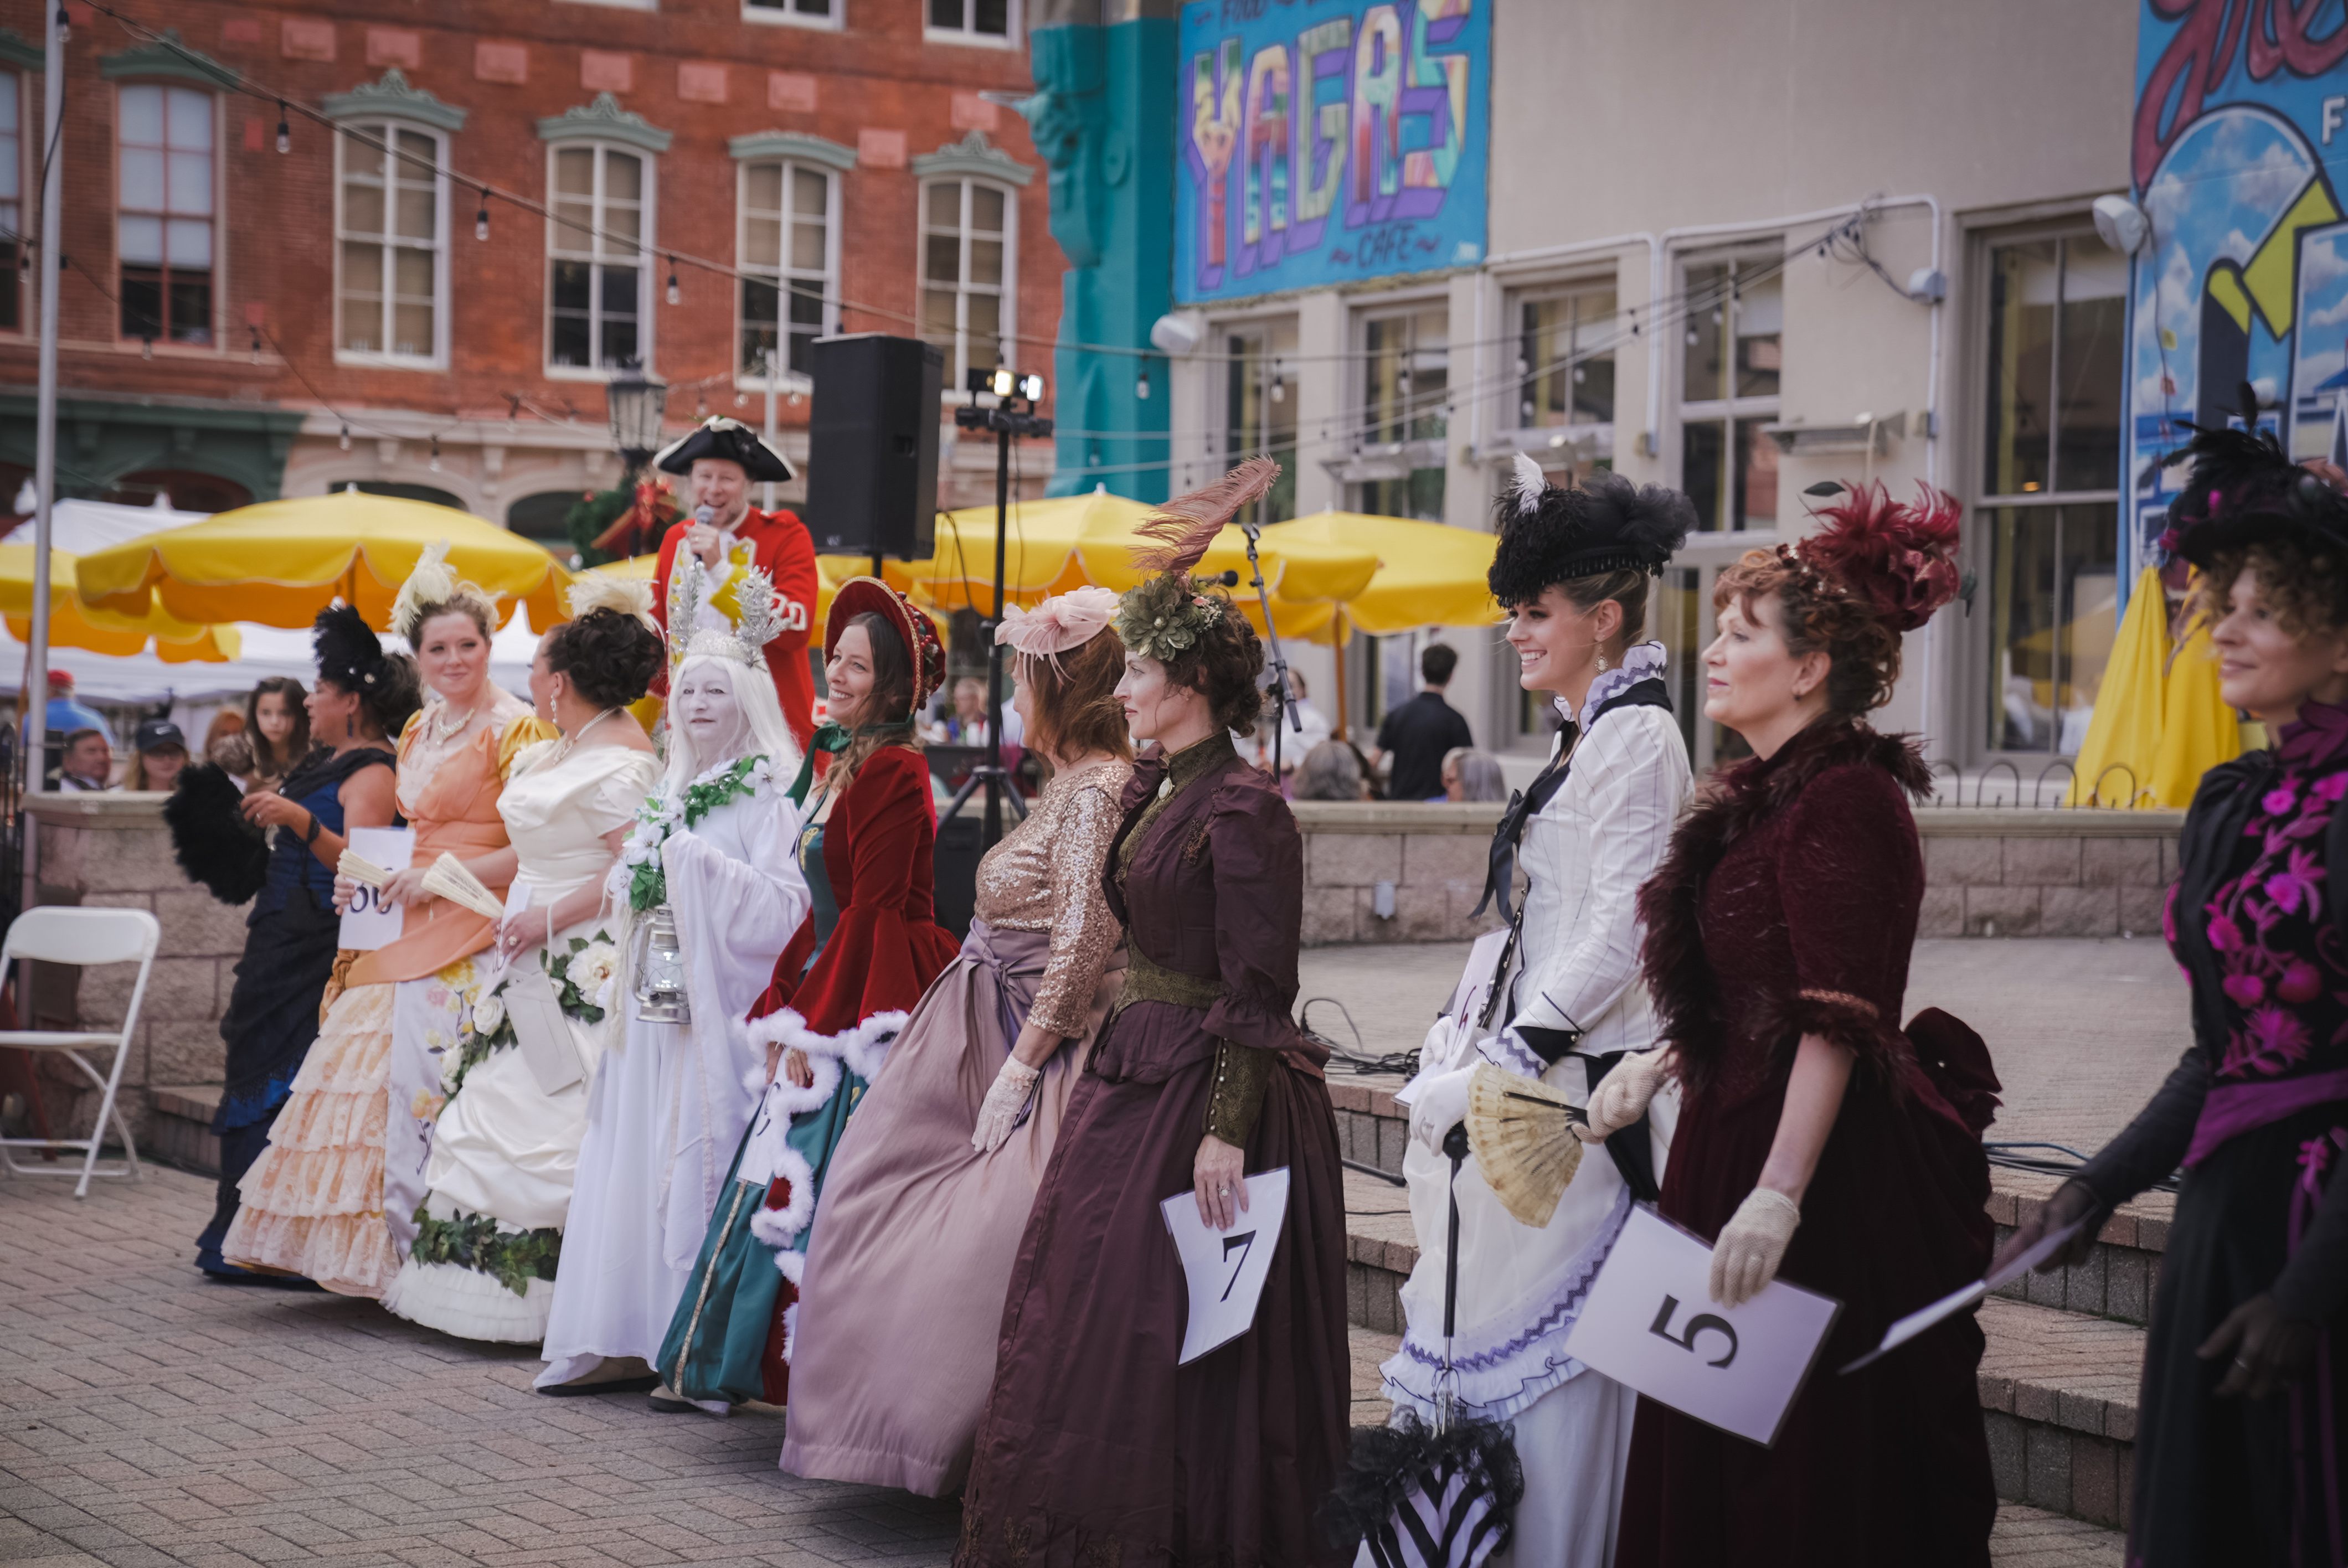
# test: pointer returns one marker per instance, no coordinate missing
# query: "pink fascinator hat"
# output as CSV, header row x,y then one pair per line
x,y
1061,622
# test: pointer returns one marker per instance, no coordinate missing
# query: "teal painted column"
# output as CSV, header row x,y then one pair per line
x,y
1103,120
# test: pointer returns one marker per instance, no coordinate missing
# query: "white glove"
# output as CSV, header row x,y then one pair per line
x,y
1621,1097
1752,1244
999,1112
1439,1105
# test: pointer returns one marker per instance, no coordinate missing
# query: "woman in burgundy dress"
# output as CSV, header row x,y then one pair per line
x,y
1816,1138
2239,1456
1096,1447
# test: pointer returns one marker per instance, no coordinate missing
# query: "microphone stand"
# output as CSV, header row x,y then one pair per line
x,y
1284,709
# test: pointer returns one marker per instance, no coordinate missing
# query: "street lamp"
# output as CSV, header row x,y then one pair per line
x,y
637,403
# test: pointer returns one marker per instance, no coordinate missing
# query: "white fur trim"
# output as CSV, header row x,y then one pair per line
x,y
864,1049
779,1227
788,1099
867,1048
755,1081
791,1332
794,1267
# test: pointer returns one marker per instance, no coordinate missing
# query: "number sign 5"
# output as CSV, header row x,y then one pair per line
x,y
1685,1338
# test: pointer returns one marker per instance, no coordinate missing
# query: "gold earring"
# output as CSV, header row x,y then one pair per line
x,y
1601,662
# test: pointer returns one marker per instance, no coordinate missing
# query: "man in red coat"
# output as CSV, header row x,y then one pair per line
x,y
721,459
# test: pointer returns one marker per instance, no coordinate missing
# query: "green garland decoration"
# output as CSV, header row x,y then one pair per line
x,y
512,1258
658,818
475,1046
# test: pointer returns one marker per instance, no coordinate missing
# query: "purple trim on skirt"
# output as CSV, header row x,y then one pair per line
x,y
2234,1109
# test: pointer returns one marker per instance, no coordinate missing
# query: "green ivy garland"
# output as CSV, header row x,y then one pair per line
x,y
512,1258
659,816
475,1044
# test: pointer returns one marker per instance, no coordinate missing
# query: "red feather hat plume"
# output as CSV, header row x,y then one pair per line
x,y
1899,557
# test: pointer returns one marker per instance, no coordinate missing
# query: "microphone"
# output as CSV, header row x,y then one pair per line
x,y
1227,577
705,515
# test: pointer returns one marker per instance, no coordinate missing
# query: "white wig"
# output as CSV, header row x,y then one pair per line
x,y
770,735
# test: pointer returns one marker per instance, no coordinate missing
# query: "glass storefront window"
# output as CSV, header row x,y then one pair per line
x,y
1406,383
1564,359
2053,602
1259,406
1732,351
2056,312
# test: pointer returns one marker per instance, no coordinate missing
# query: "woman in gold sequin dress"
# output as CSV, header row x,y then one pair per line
x,y
933,1179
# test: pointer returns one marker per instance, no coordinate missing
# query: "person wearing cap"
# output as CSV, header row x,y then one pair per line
x,y
67,711
2239,1456
157,756
721,459
841,991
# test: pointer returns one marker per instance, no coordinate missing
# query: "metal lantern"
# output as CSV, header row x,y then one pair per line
x,y
636,404
660,971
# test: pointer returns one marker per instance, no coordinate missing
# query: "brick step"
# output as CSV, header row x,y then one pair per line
x,y
2117,1279
181,1130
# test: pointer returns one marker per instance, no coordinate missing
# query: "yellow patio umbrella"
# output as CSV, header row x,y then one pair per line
x,y
2115,760
1040,553
2198,731
72,624
1299,571
1428,574
281,563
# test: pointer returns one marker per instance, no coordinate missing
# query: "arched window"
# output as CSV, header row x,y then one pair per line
x,y
969,260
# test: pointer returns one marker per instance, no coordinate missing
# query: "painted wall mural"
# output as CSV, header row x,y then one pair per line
x,y
1325,141
2239,159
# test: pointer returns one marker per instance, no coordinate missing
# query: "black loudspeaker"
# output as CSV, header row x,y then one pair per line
x,y
872,446
961,845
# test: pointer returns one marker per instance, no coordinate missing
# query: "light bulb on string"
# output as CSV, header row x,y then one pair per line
x,y
481,218
256,346
675,294
346,442
1141,384
147,347
284,131
435,464
65,26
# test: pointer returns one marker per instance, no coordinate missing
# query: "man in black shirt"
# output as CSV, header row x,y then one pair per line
x,y
1417,734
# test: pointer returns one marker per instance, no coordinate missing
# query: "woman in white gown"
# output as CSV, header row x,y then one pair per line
x,y
507,1143
672,1099
1573,567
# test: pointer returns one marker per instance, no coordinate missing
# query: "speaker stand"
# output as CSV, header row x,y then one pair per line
x,y
1006,419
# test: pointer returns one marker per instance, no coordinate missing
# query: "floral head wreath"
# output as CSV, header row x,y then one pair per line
x,y
757,616
1898,558
1165,615
1061,622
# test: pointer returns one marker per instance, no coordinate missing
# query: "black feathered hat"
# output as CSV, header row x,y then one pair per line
x,y
1606,524
2245,489
349,653
718,437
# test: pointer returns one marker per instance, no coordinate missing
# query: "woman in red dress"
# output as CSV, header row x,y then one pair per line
x,y
841,992
1816,1139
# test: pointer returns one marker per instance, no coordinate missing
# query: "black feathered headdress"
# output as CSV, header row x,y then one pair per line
x,y
349,653
2244,488
1606,524
211,838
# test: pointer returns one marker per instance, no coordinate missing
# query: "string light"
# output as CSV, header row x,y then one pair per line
x,y
256,344
435,464
65,26
675,294
285,130
1141,384
346,442
481,218
147,346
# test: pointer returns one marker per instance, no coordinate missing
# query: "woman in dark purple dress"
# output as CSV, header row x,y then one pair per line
x,y
1096,1447
1816,1138
2239,1456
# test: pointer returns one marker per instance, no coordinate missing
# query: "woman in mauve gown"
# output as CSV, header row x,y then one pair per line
x,y
932,1182
1095,1446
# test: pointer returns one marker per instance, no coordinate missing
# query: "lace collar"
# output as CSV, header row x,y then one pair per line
x,y
1643,661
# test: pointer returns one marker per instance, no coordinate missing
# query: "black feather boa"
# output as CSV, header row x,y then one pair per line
x,y
212,841
1390,1464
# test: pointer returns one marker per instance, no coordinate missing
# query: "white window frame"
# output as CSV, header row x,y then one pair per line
x,y
1355,424
648,252
1731,411
783,274
781,15
1008,291
25,196
969,37
388,358
218,269
1513,299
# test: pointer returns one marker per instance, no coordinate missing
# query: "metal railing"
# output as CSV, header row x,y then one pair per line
x,y
2047,791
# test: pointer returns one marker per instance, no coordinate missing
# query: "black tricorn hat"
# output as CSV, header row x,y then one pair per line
x,y
718,437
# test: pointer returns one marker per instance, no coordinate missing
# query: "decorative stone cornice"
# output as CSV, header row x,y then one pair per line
x,y
975,156
15,51
389,97
166,58
605,120
794,145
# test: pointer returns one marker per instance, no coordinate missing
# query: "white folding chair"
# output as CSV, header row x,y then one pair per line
x,y
63,934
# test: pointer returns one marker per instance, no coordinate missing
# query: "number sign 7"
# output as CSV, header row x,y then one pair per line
x,y
1245,1242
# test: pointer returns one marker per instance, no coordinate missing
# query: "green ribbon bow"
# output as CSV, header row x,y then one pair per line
x,y
833,738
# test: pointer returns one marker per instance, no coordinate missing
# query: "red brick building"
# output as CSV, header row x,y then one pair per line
x,y
241,322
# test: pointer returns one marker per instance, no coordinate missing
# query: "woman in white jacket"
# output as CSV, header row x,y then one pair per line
x,y
1561,1003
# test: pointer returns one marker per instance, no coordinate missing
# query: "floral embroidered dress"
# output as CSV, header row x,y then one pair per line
x,y
505,1150
2256,1112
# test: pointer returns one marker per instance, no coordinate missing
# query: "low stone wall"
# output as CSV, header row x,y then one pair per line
x,y
1990,871
113,850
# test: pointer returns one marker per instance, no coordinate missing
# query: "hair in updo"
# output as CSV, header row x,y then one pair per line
x,y
389,700
1223,666
609,656
2303,583
1074,697
1817,617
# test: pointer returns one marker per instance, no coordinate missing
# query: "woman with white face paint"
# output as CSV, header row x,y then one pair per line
x,y
670,1104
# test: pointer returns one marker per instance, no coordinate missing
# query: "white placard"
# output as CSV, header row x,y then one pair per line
x,y
370,923
1226,1269
1651,1323
1956,1301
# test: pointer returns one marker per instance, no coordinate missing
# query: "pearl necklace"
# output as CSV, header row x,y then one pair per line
x,y
570,743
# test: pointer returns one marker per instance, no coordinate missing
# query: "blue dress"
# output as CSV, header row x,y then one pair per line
x,y
290,941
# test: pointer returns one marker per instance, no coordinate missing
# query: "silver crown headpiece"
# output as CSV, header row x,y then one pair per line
x,y
758,622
